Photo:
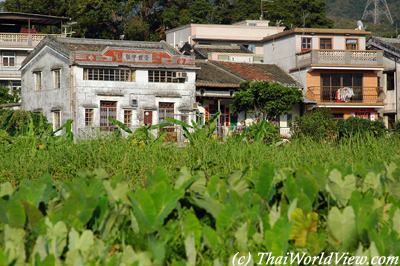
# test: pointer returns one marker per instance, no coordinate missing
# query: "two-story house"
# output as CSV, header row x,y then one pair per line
x,y
19,34
333,66
248,33
390,80
91,81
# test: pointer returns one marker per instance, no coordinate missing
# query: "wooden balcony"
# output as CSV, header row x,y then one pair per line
x,y
22,40
340,58
360,96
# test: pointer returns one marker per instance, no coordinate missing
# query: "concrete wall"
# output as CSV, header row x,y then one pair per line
x,y
48,98
391,95
281,52
148,95
13,73
338,42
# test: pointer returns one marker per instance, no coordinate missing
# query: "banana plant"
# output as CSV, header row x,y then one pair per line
x,y
194,131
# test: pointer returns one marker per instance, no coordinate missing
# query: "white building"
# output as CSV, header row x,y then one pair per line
x,y
390,80
19,34
91,81
248,33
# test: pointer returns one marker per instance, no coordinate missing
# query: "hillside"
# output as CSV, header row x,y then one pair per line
x,y
345,13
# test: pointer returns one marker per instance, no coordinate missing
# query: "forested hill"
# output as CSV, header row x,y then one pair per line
x,y
345,13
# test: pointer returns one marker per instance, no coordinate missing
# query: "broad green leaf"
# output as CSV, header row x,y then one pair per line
x,y
241,237
6,189
277,239
342,227
14,244
341,188
372,181
274,214
264,181
303,225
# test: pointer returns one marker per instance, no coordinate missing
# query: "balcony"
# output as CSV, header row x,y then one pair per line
x,y
22,40
359,96
340,58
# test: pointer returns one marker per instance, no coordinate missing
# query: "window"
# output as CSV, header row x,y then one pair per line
x,y
56,120
332,82
351,44
165,110
306,44
56,78
8,58
128,118
167,76
108,74
108,110
325,43
338,115
38,80
89,117
390,81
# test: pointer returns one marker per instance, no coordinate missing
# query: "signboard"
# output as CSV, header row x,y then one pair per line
x,y
126,56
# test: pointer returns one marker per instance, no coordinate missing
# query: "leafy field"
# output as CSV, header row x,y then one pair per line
x,y
118,202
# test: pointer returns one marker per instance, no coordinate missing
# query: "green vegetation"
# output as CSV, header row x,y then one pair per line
x,y
265,99
140,201
149,19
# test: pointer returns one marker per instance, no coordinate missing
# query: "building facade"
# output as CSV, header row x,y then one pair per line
x,y
19,35
390,78
93,81
248,33
333,67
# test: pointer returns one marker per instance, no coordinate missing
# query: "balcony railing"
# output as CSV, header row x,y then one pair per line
x,y
364,58
22,39
346,95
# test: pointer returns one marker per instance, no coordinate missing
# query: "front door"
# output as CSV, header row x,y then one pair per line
x,y
108,110
148,118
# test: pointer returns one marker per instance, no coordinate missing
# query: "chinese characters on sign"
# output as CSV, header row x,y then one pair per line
x,y
134,57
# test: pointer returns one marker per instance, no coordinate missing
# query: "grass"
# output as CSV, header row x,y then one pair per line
x,y
26,159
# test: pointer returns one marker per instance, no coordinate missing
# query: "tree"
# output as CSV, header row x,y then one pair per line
x,y
7,96
266,99
299,13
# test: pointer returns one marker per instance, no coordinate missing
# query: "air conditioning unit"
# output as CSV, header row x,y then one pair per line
x,y
181,75
195,105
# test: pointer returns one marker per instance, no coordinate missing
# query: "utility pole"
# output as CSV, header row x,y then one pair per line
x,y
376,9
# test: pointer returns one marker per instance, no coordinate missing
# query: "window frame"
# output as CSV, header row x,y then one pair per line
x,y
164,76
89,122
37,80
56,84
56,124
353,39
8,57
306,49
109,74
128,118
325,39
393,81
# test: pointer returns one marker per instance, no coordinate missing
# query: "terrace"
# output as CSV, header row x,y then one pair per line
x,y
340,58
337,95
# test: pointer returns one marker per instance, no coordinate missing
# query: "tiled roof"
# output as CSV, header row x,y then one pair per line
x,y
229,74
202,51
263,72
391,45
211,75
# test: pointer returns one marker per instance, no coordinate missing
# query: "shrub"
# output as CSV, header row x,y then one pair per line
x,y
396,128
357,126
317,124
263,131
23,122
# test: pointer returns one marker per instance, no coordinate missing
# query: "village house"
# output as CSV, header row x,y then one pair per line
x,y
390,81
217,81
333,67
19,34
91,81
247,33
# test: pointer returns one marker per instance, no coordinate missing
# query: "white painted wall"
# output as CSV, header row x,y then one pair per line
x,y
281,52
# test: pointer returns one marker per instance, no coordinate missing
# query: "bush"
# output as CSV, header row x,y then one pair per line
x,y
263,131
23,122
357,126
317,124
396,128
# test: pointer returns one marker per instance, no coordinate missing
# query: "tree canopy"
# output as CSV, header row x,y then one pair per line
x,y
149,19
265,99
